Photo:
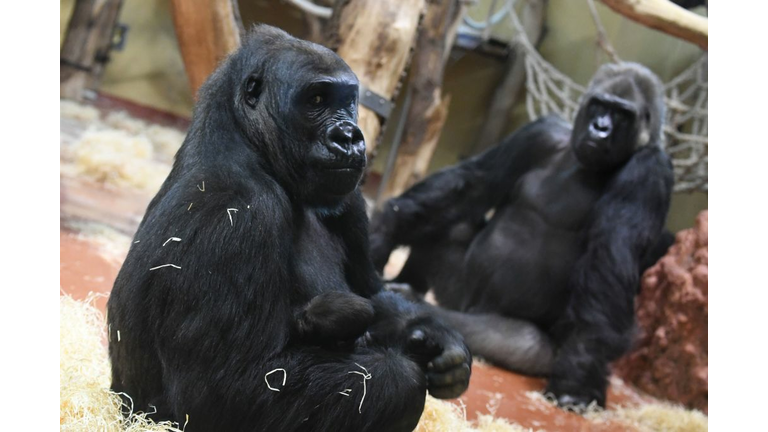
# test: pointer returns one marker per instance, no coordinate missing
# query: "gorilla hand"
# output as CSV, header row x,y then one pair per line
x,y
575,396
448,360
334,316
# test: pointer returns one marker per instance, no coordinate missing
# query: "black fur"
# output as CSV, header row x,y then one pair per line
x,y
285,281
545,284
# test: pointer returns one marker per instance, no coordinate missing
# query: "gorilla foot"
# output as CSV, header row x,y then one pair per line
x,y
450,364
576,400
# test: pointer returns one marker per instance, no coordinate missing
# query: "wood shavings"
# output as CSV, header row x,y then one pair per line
x,y
118,335
176,239
201,189
346,392
118,158
285,376
190,206
366,376
229,210
85,401
166,265
74,110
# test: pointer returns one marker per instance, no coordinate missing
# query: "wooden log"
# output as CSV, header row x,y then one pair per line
x,y
86,46
508,91
665,16
375,38
207,30
428,111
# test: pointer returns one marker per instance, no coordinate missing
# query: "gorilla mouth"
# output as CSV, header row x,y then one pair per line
x,y
345,169
355,164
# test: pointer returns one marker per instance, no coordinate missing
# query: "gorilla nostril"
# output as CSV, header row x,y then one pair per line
x,y
344,137
601,124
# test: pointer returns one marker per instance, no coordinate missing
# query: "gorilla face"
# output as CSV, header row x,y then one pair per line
x,y
337,154
304,118
621,112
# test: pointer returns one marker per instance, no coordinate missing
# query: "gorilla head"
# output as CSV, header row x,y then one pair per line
x,y
622,111
296,104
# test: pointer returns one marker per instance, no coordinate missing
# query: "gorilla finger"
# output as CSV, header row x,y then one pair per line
x,y
420,343
454,376
450,392
448,360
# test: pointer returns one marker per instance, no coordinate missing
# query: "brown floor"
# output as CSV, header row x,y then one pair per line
x,y
89,265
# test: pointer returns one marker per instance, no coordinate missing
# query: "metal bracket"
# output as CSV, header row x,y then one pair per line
x,y
119,36
375,102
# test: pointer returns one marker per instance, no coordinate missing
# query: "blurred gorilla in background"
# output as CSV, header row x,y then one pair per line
x,y
546,285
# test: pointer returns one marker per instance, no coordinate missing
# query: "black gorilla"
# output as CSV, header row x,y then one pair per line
x,y
248,300
546,284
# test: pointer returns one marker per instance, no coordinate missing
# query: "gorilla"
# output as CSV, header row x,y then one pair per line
x,y
535,248
248,300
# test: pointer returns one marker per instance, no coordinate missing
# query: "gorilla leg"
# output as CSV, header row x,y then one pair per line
x,y
513,344
373,389
580,372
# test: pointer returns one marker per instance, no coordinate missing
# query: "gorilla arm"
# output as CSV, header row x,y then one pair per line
x,y
599,320
397,322
464,192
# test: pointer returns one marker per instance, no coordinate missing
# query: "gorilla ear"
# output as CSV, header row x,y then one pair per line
x,y
252,90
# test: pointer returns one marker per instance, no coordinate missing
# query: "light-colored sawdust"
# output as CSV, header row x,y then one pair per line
x,y
74,110
85,401
654,417
119,150
112,244
166,141
118,158
444,416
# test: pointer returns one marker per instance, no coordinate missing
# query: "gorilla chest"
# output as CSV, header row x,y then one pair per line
x,y
319,258
561,193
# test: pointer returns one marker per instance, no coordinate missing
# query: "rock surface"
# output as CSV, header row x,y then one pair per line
x,y
670,356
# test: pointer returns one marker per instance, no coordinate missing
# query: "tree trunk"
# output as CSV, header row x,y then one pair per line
x,y
207,30
506,94
86,46
375,38
665,16
428,110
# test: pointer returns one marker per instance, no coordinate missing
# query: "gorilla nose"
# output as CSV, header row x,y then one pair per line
x,y
601,126
345,138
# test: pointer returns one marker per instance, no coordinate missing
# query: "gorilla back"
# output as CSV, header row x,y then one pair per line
x,y
265,312
546,285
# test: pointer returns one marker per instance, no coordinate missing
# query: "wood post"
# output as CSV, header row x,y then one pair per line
x,y
375,38
506,94
665,16
428,110
86,46
207,30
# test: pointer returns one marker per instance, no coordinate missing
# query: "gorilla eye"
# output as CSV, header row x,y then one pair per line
x,y
252,91
316,100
